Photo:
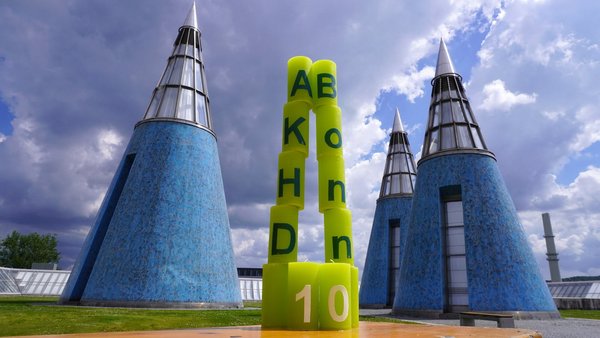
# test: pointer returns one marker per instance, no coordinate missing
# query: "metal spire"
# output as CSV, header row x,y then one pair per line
x,y
451,127
444,63
400,171
397,122
181,94
191,20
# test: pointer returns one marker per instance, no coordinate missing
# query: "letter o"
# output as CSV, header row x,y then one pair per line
x,y
328,138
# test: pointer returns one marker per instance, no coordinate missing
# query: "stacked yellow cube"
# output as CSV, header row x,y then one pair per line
x,y
307,295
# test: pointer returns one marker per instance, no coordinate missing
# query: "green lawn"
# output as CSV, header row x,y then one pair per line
x,y
37,315
20,315
585,314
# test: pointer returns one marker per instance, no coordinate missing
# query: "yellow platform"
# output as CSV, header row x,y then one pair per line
x,y
366,329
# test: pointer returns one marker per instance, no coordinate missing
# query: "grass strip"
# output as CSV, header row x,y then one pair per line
x,y
38,315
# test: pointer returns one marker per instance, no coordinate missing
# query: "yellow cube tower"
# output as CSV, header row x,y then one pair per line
x,y
308,295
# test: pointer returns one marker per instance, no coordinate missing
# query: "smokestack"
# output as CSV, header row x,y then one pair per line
x,y
552,254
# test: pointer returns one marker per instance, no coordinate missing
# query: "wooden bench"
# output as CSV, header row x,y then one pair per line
x,y
503,320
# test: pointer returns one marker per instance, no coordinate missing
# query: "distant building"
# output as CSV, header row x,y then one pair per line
x,y
465,246
390,223
162,237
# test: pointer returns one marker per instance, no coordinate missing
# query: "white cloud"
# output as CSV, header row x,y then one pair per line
x,y
589,120
575,215
413,82
2,137
497,97
549,53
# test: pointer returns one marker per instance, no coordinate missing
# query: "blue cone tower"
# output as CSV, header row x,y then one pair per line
x,y
466,248
162,237
390,223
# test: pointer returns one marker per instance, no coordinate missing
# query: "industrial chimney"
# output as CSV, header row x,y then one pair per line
x,y
552,254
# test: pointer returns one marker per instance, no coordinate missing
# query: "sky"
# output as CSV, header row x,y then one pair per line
x,y
75,77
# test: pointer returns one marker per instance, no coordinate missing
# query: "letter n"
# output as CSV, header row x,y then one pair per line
x,y
336,246
331,192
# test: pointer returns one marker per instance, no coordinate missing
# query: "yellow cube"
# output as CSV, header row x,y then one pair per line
x,y
283,234
335,305
303,296
274,308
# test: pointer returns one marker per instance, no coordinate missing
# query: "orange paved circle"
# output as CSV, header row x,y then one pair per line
x,y
366,329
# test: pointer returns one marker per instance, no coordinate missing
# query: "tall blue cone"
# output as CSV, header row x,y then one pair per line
x,y
390,223
162,237
466,248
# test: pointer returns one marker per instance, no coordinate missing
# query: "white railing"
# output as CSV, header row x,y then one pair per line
x,y
251,288
52,282
33,282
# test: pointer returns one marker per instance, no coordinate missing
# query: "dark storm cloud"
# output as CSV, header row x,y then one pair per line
x,y
78,75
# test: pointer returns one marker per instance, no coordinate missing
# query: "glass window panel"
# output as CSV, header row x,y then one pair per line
x,y
406,188
168,71
446,112
414,180
458,263
436,115
453,91
445,93
459,299
457,111
409,160
167,108
186,105
464,140
188,73
177,68
199,85
386,185
395,187
468,111
388,163
398,147
181,49
437,95
434,143
396,257
396,161
189,50
448,138
201,110
476,138
403,165
396,236
154,103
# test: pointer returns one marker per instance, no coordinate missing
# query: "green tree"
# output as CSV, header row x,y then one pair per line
x,y
19,251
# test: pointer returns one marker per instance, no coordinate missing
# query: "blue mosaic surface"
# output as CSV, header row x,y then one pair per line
x,y
502,272
375,278
169,237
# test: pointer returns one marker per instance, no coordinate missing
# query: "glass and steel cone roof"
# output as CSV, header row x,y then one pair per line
x,y
181,93
451,126
400,172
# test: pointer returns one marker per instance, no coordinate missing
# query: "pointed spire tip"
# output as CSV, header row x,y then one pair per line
x,y
398,127
191,19
444,63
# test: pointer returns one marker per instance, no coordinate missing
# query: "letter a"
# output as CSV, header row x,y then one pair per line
x,y
301,77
